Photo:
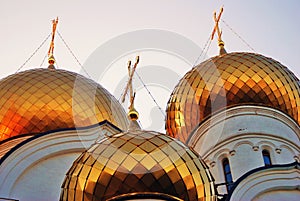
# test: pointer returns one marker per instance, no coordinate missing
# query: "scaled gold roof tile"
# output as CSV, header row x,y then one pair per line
x,y
158,164
229,80
41,99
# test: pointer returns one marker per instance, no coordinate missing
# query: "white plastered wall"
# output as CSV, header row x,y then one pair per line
x,y
36,170
241,134
276,184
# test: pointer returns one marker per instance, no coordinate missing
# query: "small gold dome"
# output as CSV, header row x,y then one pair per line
x,y
136,162
226,81
40,100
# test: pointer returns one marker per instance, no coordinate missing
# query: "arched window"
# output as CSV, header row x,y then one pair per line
x,y
266,157
227,173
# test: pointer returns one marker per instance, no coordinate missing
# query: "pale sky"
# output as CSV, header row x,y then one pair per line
x,y
271,27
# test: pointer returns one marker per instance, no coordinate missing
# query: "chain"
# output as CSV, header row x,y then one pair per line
x,y
73,54
145,86
238,36
43,60
37,49
205,46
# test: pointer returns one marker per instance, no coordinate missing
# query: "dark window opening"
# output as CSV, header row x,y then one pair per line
x,y
227,174
266,157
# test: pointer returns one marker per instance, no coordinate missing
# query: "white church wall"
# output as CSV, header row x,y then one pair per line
x,y
237,121
32,185
37,168
279,195
276,184
244,160
241,134
283,154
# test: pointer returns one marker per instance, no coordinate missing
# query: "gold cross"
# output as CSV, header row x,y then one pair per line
x,y
216,28
131,71
51,48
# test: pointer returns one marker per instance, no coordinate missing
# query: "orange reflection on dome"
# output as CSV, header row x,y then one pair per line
x,y
4,130
229,80
40,100
137,162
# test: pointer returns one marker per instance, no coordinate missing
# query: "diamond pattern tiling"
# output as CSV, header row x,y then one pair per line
x,y
40,100
243,78
157,163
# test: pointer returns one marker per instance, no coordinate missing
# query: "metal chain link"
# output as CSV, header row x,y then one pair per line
x,y
39,47
238,36
72,53
145,86
205,46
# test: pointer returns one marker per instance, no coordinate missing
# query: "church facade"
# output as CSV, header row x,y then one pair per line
x,y
232,133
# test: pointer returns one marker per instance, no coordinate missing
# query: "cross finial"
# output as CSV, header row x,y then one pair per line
x,y
219,32
133,114
51,59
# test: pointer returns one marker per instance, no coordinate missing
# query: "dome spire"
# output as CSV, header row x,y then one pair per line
x,y
51,59
216,28
133,115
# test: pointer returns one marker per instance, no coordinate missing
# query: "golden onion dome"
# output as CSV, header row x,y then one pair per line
x,y
138,162
226,81
40,100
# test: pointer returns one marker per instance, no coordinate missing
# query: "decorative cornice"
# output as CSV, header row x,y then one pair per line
x,y
283,167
